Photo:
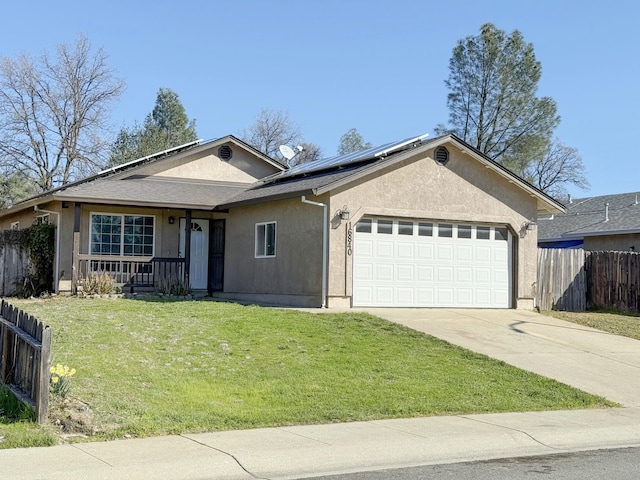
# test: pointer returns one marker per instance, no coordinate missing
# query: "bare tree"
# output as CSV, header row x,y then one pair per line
x,y
273,128
53,112
557,168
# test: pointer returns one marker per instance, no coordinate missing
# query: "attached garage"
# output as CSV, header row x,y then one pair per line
x,y
423,263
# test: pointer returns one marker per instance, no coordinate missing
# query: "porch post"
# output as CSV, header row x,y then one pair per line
x,y
187,248
75,270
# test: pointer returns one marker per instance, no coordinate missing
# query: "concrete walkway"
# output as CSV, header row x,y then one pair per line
x,y
592,360
586,358
307,451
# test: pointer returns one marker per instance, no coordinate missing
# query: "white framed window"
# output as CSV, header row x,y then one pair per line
x,y
15,225
44,218
265,239
124,235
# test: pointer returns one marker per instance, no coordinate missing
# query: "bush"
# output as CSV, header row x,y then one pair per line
x,y
173,286
98,284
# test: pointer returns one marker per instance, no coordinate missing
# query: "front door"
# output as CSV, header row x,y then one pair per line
x,y
199,265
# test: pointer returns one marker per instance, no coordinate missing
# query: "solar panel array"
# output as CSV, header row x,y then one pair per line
x,y
344,160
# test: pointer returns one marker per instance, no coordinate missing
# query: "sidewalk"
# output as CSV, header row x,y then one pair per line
x,y
306,451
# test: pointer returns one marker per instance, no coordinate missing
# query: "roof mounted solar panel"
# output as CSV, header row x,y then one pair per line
x,y
345,160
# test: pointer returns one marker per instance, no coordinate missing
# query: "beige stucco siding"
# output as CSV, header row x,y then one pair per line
x,y
419,188
294,274
242,167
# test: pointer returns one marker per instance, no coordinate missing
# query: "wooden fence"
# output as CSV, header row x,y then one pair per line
x,y
613,280
14,266
25,358
561,283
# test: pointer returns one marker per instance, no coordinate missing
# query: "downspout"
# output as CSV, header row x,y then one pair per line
x,y
325,236
57,271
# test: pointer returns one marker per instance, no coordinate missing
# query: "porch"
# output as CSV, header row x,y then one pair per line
x,y
131,273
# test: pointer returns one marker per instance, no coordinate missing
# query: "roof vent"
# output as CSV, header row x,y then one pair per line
x,y
441,155
225,152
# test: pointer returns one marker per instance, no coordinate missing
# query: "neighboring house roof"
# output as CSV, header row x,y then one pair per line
x,y
591,217
324,175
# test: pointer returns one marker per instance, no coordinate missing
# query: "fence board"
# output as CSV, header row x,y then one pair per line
x,y
25,356
561,281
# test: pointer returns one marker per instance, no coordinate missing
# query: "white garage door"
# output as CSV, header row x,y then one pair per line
x,y
404,263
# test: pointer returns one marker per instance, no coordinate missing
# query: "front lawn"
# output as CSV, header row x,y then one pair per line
x,y
627,325
154,367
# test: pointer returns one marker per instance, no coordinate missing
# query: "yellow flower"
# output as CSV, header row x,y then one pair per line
x,y
55,379
52,369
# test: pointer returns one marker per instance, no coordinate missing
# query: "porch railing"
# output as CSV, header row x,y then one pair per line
x,y
131,272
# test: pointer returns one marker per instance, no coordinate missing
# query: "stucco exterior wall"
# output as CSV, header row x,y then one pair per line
x,y
622,243
242,167
420,188
294,275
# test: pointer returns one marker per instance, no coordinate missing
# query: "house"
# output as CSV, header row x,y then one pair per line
x,y
608,222
415,223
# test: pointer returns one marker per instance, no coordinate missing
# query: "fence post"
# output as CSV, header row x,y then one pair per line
x,y
42,401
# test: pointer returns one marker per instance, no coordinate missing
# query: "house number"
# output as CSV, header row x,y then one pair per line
x,y
349,240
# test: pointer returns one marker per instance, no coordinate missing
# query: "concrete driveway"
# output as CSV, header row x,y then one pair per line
x,y
591,360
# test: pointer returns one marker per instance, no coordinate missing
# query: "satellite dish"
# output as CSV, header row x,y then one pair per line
x,y
287,152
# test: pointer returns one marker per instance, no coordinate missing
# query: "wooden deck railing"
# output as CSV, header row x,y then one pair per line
x,y
131,272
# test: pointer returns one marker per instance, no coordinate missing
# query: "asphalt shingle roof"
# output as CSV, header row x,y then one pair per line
x,y
586,217
178,193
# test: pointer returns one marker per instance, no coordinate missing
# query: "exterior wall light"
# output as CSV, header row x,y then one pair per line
x,y
344,213
172,220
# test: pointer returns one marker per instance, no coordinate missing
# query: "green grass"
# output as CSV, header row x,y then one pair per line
x,y
152,367
627,325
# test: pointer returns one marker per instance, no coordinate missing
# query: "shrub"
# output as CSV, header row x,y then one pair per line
x,y
98,284
173,286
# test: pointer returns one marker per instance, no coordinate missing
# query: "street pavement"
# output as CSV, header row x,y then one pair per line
x,y
586,358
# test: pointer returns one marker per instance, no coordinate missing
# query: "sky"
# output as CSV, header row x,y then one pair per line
x,y
332,65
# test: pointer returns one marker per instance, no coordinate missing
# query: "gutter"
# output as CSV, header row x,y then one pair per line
x,y
325,237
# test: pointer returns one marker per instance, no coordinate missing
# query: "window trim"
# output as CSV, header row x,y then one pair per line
x,y
122,233
265,253
15,226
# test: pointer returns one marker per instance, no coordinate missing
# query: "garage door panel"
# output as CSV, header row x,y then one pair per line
x,y
464,275
444,252
384,272
363,272
482,253
405,273
464,297
405,251
405,296
394,269
383,249
464,253
424,251
444,274
425,273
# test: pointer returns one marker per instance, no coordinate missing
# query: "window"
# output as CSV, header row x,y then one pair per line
x,y
364,226
425,229
15,225
405,228
501,233
266,239
126,235
464,231
40,219
445,230
483,233
385,226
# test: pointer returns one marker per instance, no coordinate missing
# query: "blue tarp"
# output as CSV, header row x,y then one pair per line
x,y
563,244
